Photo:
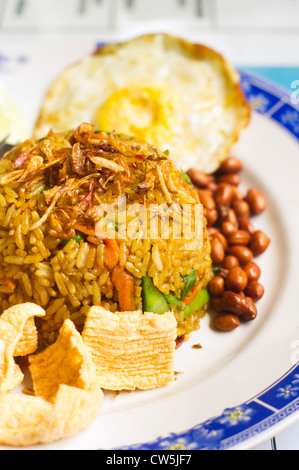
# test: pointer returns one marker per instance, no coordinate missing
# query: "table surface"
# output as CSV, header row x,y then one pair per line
x,y
262,36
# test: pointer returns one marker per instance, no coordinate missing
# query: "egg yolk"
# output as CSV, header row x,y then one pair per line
x,y
145,113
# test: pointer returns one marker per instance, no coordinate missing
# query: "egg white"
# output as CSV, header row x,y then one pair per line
x,y
156,88
13,126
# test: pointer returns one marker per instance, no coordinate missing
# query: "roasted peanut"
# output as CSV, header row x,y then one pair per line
x,y
238,195
243,253
228,228
223,212
222,239
256,201
230,262
259,243
212,186
251,314
217,251
235,303
240,237
232,218
230,165
206,198
241,208
236,280
231,178
246,225
226,322
226,214
253,271
255,290
212,217
212,231
216,286
215,303
198,178
224,195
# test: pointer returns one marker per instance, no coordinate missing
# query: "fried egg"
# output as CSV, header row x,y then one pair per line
x,y
12,122
181,97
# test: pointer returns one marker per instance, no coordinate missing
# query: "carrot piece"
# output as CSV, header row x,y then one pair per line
x,y
117,277
84,229
9,283
191,294
124,284
111,253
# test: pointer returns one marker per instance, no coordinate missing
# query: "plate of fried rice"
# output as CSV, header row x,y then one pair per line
x,y
96,226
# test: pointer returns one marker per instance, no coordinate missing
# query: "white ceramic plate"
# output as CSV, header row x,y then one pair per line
x,y
241,388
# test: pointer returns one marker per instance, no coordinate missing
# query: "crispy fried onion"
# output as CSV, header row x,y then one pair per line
x,y
104,163
79,168
56,193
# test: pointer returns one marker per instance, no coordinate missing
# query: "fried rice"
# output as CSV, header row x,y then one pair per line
x,y
50,251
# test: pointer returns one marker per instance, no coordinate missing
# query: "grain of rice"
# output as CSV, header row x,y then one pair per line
x,y
54,306
103,278
97,297
74,300
82,255
14,260
10,192
134,259
45,253
60,284
61,314
145,264
27,284
39,234
156,257
45,282
123,254
8,215
34,217
3,202
43,294
19,236
32,259
133,270
90,257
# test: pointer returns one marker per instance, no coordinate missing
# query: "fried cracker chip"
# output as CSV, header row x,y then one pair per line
x,y
28,343
131,350
27,420
67,362
13,341
67,398
10,374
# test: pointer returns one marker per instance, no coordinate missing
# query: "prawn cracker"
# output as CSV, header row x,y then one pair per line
x,y
131,350
27,420
18,337
67,362
66,400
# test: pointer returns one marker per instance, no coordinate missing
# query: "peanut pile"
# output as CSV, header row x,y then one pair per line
x,y
235,243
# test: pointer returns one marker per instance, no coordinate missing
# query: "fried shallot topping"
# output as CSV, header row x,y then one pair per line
x,y
78,170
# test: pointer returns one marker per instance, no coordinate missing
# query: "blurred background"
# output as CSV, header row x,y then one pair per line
x,y
39,38
255,33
